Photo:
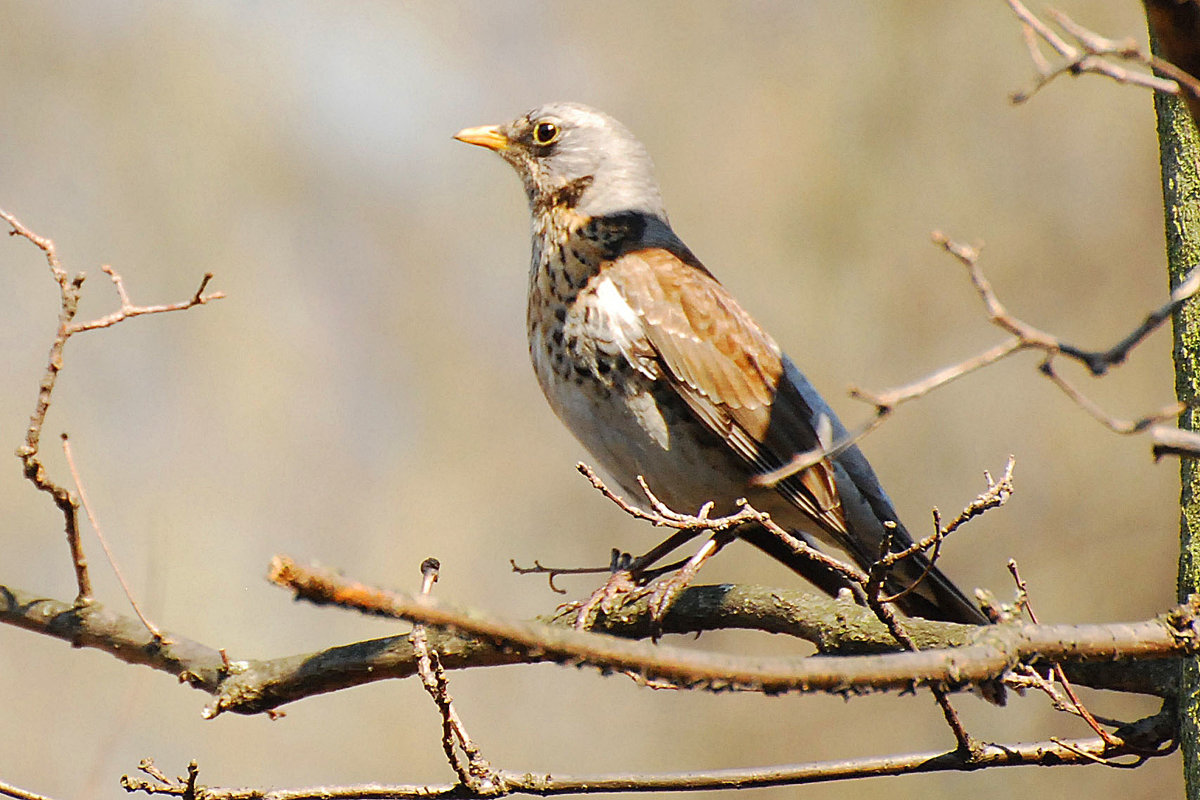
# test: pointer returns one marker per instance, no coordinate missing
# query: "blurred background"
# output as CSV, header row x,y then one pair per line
x,y
362,397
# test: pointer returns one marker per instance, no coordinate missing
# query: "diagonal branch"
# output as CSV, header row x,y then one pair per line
x,y
1023,336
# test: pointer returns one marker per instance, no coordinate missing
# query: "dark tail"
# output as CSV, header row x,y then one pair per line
x,y
935,597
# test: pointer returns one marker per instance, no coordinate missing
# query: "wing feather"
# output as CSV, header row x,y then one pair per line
x,y
728,370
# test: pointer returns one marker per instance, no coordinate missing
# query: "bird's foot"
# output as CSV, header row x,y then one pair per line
x,y
620,584
666,592
664,596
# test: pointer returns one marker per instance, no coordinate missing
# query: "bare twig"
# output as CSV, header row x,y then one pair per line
x,y
871,583
1026,337
663,517
883,610
1094,54
70,289
35,471
996,495
1114,424
8,790
108,553
539,568
1023,337
693,524
966,743
1080,708
1098,362
476,774
626,577
128,310
1169,441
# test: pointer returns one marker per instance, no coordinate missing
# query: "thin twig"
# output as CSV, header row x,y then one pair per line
x,y
1023,337
1114,424
539,568
1093,54
1171,441
128,310
476,774
1058,670
8,790
994,496
108,553
663,517
70,289
884,611
869,584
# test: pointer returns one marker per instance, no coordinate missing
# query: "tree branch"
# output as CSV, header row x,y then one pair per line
x,y
1095,54
1167,440
1147,738
837,627
70,289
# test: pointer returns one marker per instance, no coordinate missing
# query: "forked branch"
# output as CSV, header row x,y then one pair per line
x,y
1167,439
1093,54
70,289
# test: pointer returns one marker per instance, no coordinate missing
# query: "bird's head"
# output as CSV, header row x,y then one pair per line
x,y
569,154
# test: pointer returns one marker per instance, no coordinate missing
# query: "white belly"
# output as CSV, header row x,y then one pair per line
x,y
629,434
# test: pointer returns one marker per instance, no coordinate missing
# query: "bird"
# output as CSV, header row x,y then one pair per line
x,y
662,375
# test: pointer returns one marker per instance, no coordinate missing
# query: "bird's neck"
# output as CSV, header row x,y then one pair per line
x,y
569,249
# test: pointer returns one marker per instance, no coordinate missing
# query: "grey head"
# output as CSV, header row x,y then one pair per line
x,y
570,154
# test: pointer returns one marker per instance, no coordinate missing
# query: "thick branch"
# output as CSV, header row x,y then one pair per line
x,y
990,651
837,627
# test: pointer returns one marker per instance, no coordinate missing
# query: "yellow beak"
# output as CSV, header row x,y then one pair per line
x,y
488,136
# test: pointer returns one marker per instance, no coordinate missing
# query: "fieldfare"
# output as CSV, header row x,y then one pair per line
x,y
660,373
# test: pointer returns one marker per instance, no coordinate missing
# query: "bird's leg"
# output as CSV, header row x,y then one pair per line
x,y
666,591
630,576
680,537
619,584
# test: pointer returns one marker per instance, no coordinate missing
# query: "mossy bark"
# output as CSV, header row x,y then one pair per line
x,y
1179,158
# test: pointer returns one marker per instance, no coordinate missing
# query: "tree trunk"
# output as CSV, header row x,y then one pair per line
x,y
1179,158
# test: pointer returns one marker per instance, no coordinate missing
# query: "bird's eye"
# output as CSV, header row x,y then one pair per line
x,y
545,132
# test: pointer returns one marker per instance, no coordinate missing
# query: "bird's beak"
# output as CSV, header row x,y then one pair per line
x,y
489,136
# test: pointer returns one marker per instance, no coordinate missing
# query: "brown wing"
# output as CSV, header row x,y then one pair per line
x,y
728,370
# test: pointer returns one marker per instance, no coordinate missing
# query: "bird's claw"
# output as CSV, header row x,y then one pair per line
x,y
604,599
665,594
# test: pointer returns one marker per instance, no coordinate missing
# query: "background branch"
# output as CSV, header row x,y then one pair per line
x,y
1097,55
1142,740
70,291
1024,337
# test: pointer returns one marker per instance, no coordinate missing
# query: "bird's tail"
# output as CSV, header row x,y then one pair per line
x,y
932,595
